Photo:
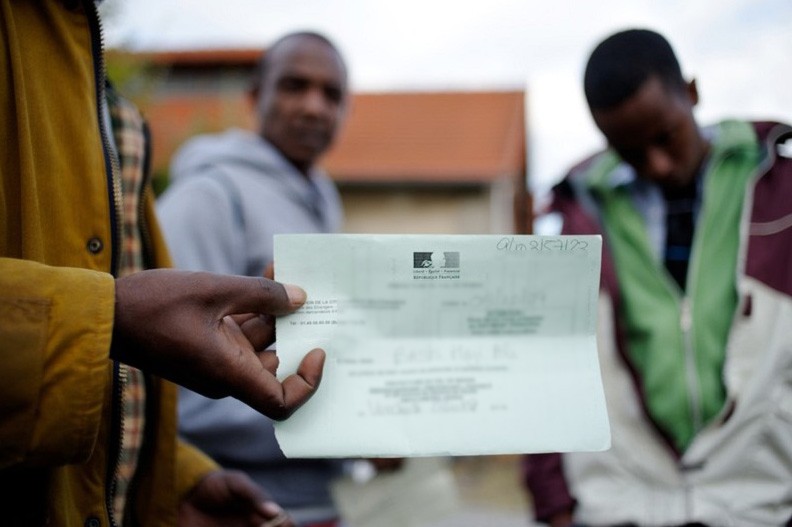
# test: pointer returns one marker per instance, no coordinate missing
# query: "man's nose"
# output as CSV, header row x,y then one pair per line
x,y
658,165
315,102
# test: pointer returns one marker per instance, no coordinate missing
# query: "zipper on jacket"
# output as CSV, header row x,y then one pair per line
x,y
145,235
120,375
686,312
147,451
685,303
691,370
112,171
112,168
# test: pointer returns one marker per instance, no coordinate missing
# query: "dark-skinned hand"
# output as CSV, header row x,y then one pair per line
x,y
208,332
386,464
229,498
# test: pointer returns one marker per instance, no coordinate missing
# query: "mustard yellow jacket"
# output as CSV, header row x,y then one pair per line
x,y
57,216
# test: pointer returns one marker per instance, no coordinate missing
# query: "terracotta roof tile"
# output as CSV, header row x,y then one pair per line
x,y
201,58
435,137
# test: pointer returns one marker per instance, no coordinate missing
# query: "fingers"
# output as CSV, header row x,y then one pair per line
x,y
279,400
242,486
241,319
257,500
299,387
243,490
279,520
270,361
386,464
258,329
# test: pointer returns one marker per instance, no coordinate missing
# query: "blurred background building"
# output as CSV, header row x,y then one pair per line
x,y
449,162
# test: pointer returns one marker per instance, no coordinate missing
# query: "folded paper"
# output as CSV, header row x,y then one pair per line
x,y
444,345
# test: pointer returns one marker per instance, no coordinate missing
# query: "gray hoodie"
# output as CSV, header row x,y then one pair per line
x,y
229,194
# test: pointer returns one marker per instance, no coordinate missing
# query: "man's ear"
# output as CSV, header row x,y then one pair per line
x,y
692,91
253,95
252,115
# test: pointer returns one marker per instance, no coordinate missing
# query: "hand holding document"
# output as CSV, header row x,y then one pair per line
x,y
444,345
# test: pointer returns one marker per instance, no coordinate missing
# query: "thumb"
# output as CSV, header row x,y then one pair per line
x,y
241,294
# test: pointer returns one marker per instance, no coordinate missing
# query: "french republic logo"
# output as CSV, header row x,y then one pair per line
x,y
436,265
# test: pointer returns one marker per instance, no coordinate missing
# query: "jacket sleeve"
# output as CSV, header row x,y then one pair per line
x,y
55,334
192,466
543,476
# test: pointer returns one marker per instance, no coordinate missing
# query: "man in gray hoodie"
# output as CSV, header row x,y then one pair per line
x,y
230,193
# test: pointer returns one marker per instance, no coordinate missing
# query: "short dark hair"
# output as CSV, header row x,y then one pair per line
x,y
621,63
263,64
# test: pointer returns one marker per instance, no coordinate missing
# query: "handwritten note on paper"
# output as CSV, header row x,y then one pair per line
x,y
444,345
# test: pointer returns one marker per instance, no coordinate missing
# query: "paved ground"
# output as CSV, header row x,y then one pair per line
x,y
479,517
491,494
442,492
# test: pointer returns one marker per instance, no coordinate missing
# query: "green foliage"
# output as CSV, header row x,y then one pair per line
x,y
133,74
160,179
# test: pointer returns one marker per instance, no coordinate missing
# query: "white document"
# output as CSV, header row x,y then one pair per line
x,y
444,345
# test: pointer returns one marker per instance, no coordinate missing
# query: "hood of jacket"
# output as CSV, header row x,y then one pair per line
x,y
243,156
235,150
